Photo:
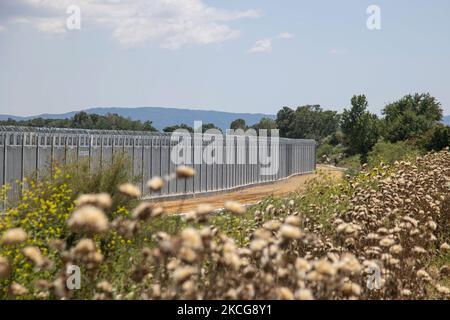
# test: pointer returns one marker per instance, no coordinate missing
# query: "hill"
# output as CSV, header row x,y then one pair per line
x,y
161,117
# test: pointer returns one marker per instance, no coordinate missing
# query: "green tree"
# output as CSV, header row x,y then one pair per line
x,y
285,118
238,124
360,127
178,126
411,116
265,123
208,126
437,138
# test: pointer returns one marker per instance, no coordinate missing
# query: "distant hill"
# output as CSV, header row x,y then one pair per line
x,y
162,117
446,120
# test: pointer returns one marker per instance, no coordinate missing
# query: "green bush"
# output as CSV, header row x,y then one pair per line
x,y
437,138
388,152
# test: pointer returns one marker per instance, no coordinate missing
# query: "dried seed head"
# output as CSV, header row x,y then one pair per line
x,y
445,247
155,183
292,220
234,207
351,289
272,225
130,190
204,209
304,294
285,294
192,239
302,265
290,232
100,200
14,236
387,242
18,290
146,210
257,245
84,247
324,267
184,172
5,268
105,286
34,254
88,219
182,274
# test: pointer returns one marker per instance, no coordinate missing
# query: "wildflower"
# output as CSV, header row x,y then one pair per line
x,y
285,294
14,236
184,172
272,225
324,267
88,219
304,294
387,242
130,190
257,245
146,210
17,289
234,207
100,200
350,288
105,286
442,289
290,232
419,250
405,292
292,220
396,249
182,274
204,209
191,238
34,254
5,268
155,183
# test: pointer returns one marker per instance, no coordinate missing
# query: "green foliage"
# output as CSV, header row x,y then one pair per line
x,y
265,123
83,120
387,152
410,116
178,127
437,138
307,122
238,124
360,127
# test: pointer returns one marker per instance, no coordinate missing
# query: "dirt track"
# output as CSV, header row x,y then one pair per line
x,y
250,195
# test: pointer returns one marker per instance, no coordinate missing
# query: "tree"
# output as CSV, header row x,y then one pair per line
x,y
265,123
285,118
208,126
238,124
411,116
307,122
360,128
178,126
437,138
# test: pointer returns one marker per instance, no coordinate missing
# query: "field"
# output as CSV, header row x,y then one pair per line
x,y
382,233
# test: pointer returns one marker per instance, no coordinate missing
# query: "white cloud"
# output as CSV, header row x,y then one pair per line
x,y
333,51
286,35
261,46
170,23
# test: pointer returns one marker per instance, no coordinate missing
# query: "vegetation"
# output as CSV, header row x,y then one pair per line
x,y
322,244
83,120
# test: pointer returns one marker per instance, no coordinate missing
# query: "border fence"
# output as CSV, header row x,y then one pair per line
x,y
32,152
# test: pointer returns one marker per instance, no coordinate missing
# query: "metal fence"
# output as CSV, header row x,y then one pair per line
x,y
33,152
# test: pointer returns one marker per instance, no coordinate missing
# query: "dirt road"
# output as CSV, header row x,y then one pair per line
x,y
249,195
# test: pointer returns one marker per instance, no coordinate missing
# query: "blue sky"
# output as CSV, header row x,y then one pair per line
x,y
233,55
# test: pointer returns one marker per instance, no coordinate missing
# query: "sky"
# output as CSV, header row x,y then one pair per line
x,y
230,55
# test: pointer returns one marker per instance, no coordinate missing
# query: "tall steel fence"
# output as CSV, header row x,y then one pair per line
x,y
221,162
